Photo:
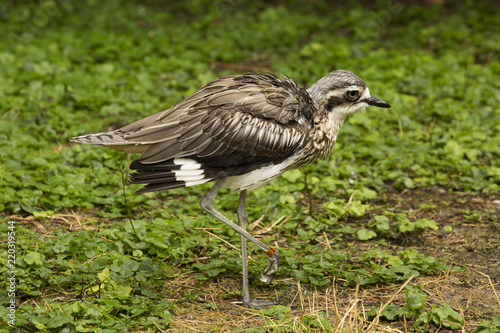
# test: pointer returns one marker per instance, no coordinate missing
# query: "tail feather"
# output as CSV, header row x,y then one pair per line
x,y
106,139
173,173
165,165
146,177
161,187
114,140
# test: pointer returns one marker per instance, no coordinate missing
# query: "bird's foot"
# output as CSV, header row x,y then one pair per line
x,y
271,269
258,304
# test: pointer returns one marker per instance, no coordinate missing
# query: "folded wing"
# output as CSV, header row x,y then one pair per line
x,y
229,121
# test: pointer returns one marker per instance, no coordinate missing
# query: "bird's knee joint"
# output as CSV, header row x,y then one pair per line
x,y
205,203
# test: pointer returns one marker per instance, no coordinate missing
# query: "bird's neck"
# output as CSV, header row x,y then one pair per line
x,y
325,133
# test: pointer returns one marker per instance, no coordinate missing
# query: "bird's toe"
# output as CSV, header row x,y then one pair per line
x,y
271,269
258,304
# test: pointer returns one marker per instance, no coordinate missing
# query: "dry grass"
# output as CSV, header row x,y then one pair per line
x,y
344,308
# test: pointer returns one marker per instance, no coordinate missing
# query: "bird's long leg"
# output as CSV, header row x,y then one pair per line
x,y
206,204
242,213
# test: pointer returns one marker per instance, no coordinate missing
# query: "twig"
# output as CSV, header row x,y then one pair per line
x,y
124,182
225,241
491,284
350,199
335,305
345,315
377,317
185,325
301,296
309,194
327,241
255,223
158,327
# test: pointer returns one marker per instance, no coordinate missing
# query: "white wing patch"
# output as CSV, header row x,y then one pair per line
x,y
190,171
187,163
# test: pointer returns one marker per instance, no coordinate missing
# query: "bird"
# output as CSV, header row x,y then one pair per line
x,y
241,132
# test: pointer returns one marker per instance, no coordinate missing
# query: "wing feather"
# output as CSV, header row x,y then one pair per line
x,y
153,134
250,115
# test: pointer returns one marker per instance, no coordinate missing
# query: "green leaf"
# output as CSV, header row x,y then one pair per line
x,y
488,326
279,311
128,267
148,293
347,229
408,182
33,258
104,275
390,312
43,214
365,234
357,208
146,266
121,291
423,224
415,298
380,223
58,321
94,312
453,150
406,226
447,317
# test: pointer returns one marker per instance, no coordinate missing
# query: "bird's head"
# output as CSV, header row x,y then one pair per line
x,y
342,93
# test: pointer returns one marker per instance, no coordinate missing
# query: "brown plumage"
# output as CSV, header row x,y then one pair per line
x,y
241,131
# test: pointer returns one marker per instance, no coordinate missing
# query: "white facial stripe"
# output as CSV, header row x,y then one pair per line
x,y
366,94
345,109
341,92
334,93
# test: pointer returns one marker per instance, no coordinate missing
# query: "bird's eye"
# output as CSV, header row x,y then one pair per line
x,y
352,94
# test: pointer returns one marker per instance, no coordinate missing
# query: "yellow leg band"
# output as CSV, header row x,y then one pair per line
x,y
270,252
